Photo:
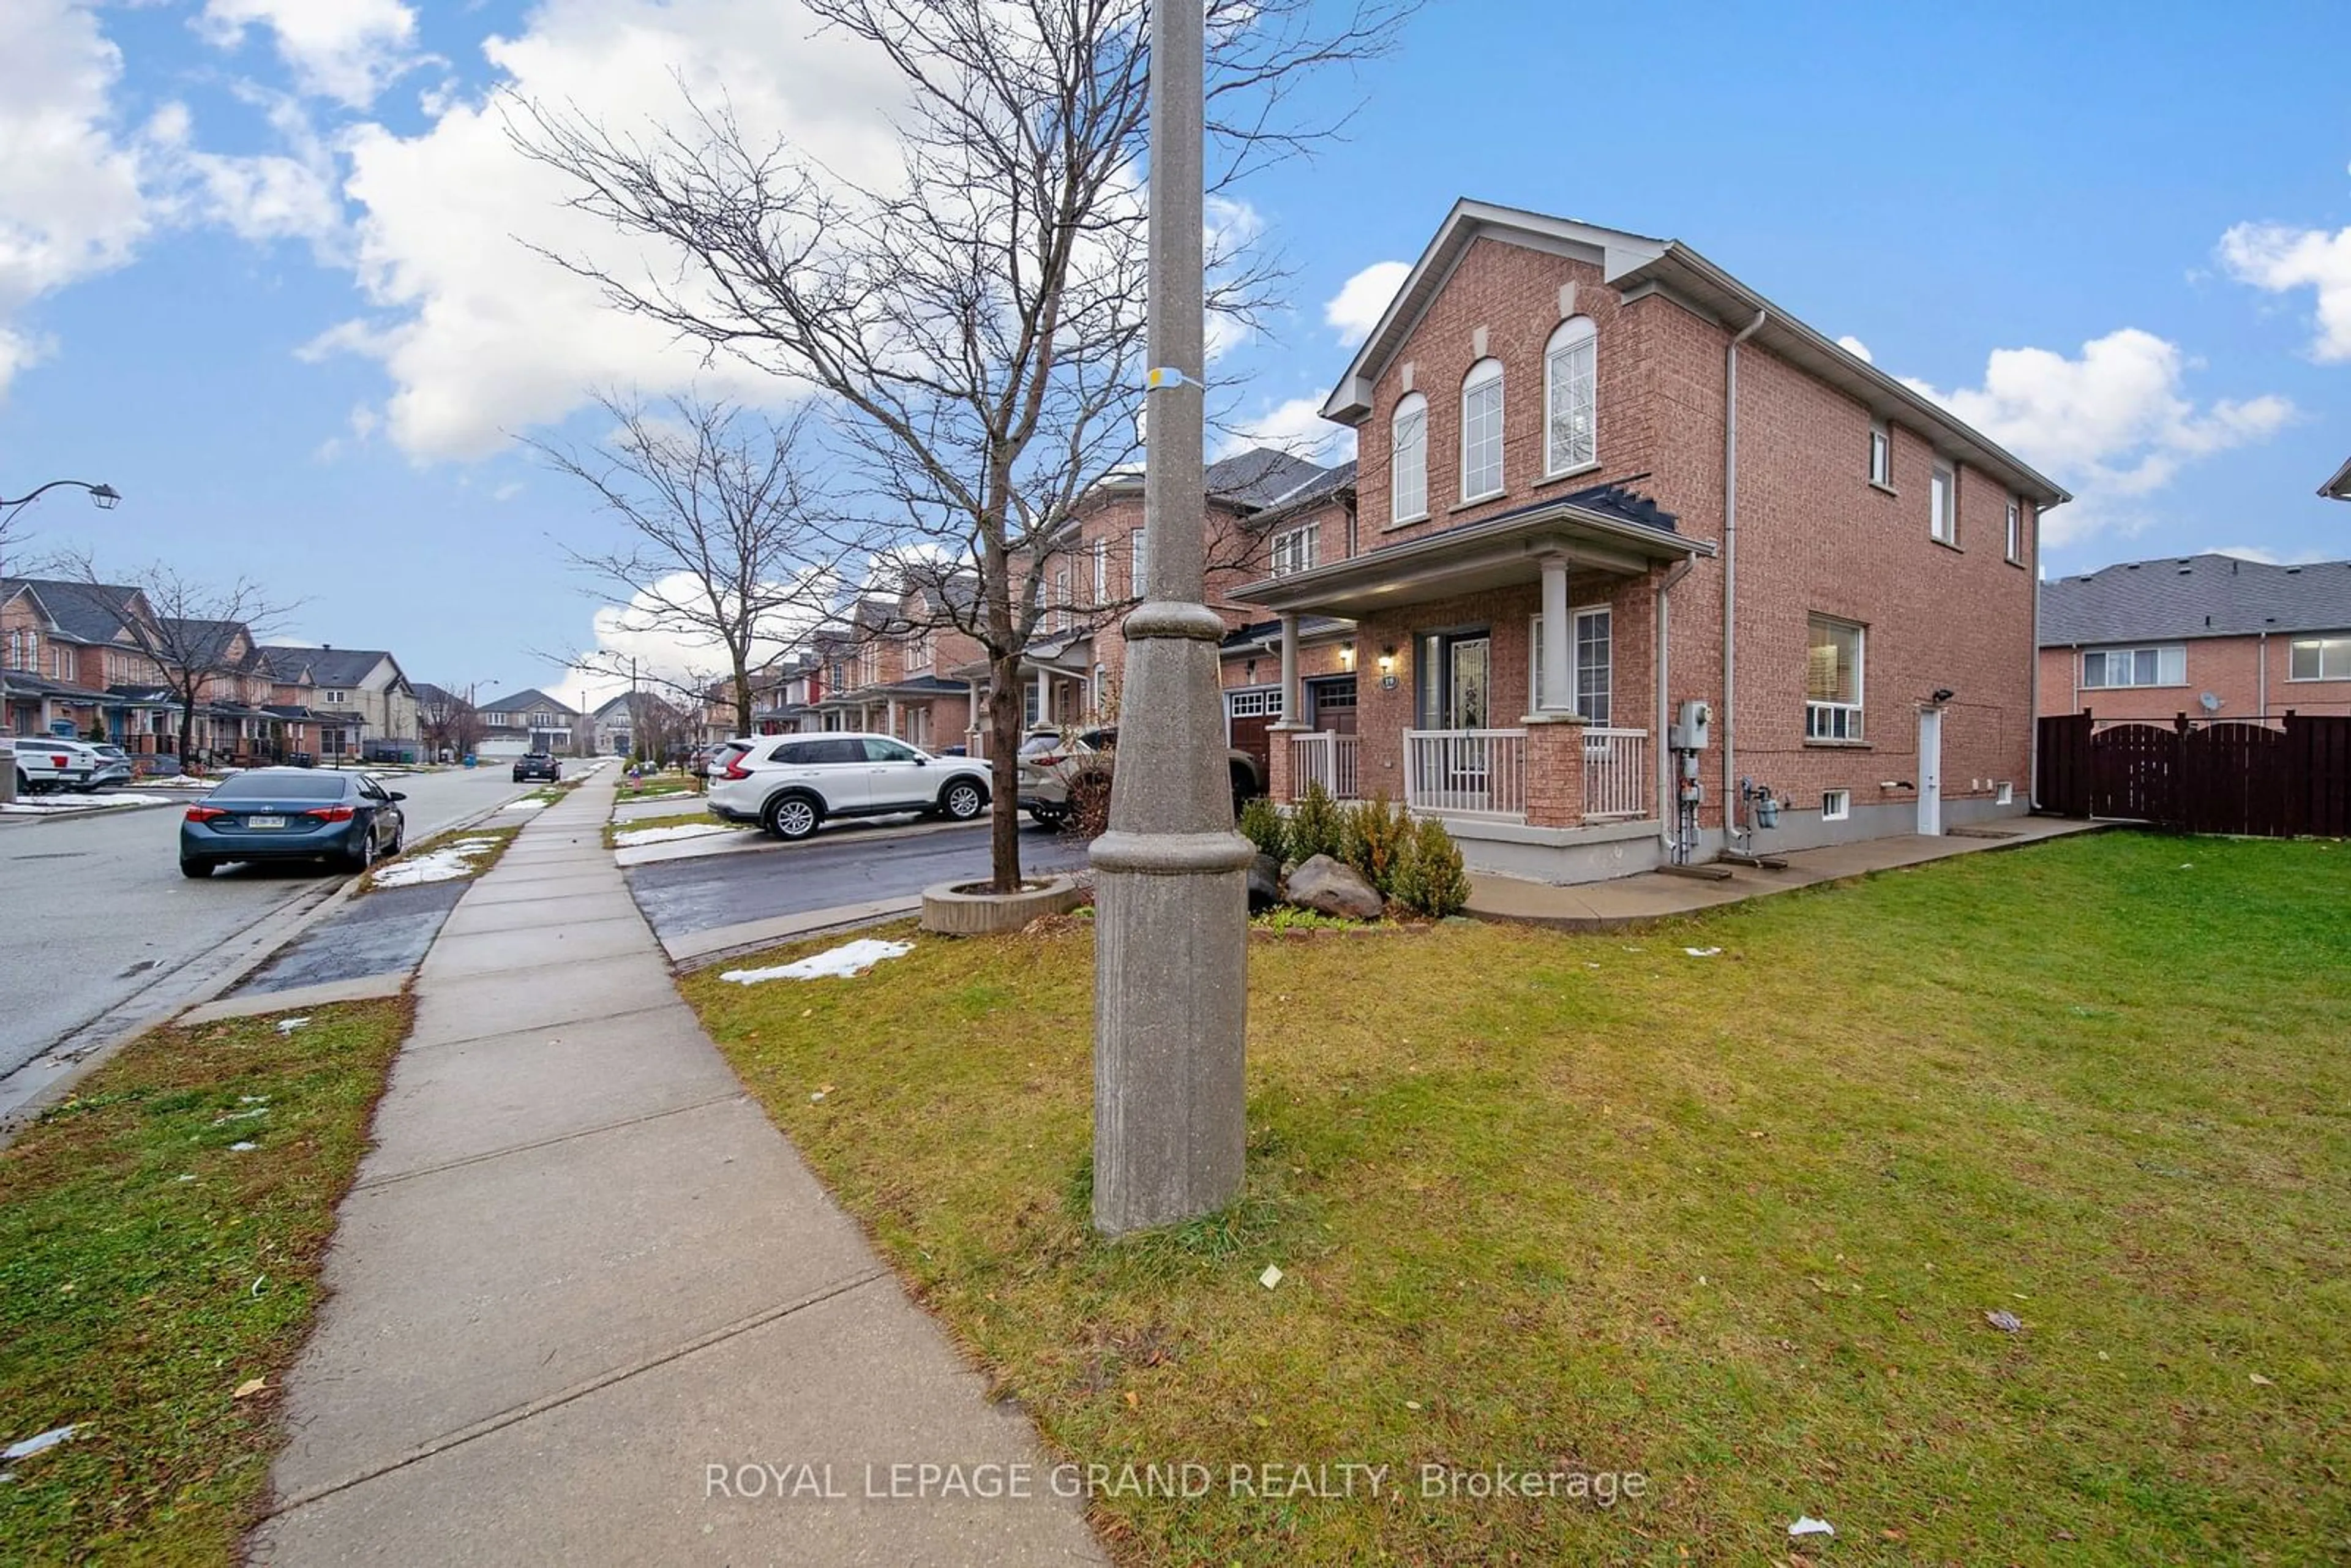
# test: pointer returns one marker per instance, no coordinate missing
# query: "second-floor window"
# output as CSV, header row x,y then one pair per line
x,y
2015,531
1571,437
1101,572
24,647
1293,550
2320,659
335,699
1062,597
2157,666
1482,431
1943,505
1409,460
62,663
919,651
1134,579
1833,679
1881,454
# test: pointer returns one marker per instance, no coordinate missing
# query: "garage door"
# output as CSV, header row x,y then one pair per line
x,y
1249,720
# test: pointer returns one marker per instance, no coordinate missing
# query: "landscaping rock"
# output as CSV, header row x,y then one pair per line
x,y
1333,887
1264,883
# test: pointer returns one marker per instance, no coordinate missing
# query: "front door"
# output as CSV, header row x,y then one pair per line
x,y
1930,772
1468,668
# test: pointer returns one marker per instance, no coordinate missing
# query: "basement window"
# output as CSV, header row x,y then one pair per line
x,y
1836,806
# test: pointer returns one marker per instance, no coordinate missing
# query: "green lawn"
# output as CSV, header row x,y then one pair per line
x,y
1731,1224
149,1270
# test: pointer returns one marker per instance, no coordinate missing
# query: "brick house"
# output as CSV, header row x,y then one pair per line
x,y
2210,636
361,699
531,720
1598,478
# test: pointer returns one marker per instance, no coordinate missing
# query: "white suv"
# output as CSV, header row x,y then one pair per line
x,y
789,784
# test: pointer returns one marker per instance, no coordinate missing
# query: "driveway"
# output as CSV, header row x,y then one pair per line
x,y
96,913
839,867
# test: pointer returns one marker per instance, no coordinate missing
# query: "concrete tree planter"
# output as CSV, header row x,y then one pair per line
x,y
969,909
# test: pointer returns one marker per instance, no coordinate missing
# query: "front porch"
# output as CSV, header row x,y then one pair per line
x,y
1511,676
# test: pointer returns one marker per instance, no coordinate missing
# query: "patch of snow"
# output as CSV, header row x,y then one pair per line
x,y
850,960
526,804
49,806
243,1149
445,864
34,1445
288,1026
683,830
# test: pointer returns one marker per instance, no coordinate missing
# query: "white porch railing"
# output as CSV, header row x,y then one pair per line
x,y
1326,759
1465,772
1616,774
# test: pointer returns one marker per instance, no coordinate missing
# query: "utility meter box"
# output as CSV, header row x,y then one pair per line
x,y
1691,723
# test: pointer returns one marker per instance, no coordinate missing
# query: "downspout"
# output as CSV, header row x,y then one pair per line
x,y
1665,813
2262,677
1730,572
2033,752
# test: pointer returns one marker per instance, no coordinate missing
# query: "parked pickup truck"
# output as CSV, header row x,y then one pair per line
x,y
46,765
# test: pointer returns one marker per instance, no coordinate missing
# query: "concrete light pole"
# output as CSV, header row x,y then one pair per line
x,y
1171,933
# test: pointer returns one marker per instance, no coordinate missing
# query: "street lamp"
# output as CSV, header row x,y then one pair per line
x,y
107,498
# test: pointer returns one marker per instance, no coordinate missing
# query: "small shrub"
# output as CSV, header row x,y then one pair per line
x,y
1089,816
1431,880
1261,824
1374,839
1315,828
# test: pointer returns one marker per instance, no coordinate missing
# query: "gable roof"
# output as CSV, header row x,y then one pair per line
x,y
1636,265
2182,597
203,642
327,666
2339,487
528,699
81,612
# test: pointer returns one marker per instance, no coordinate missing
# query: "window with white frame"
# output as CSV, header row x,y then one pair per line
x,y
335,699
63,664
1135,583
1252,703
1590,662
2165,665
1062,597
1943,504
1881,454
2015,531
1571,438
1482,431
1833,679
1293,549
24,647
1101,572
1409,460
2320,659
920,651
1836,805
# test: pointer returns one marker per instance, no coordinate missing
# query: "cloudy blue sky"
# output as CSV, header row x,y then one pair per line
x,y
261,263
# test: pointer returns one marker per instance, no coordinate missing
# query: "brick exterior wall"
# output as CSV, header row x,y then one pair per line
x,y
2230,667
1814,536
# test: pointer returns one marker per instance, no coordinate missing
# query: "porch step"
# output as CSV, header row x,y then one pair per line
x,y
1979,832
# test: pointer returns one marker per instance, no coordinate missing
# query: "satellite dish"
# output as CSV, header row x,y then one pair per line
x,y
2210,702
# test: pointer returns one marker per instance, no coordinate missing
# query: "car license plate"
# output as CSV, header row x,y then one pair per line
x,y
265,821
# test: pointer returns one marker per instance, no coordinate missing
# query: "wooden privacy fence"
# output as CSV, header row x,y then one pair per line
x,y
2276,778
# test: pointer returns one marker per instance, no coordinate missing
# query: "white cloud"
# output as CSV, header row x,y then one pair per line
x,y
72,201
1856,348
2268,557
1296,426
668,652
2277,259
480,335
1363,298
2112,424
345,50
258,197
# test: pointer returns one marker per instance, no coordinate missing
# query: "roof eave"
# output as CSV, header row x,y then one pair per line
x,y
2339,487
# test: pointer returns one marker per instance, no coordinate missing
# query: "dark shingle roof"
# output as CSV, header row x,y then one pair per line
x,y
327,666
528,699
2195,596
1262,477
84,612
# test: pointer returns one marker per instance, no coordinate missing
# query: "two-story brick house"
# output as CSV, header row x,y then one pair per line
x,y
1600,477
2210,636
365,705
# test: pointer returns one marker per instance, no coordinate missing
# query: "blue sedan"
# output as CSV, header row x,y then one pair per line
x,y
292,813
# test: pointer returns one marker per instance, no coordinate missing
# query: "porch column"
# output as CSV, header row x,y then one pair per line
x,y
1044,695
1558,637
895,720
1290,703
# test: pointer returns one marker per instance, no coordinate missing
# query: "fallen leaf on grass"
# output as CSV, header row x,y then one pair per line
x,y
1270,1278
250,1386
2004,1320
2261,1381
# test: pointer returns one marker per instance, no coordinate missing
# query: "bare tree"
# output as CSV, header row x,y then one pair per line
x,y
978,320
196,632
730,544
452,723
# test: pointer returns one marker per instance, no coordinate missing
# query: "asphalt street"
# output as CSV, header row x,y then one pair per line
x,y
94,912
839,866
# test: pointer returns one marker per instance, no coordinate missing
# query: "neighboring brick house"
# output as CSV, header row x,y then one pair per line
x,y
1583,456
2210,636
67,657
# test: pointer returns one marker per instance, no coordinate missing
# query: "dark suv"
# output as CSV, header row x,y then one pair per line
x,y
538,765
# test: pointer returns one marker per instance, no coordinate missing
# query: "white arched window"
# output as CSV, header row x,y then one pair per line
x,y
1570,431
1408,465
1482,431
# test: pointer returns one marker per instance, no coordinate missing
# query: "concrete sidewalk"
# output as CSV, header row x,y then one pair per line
x,y
586,1298
1657,895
